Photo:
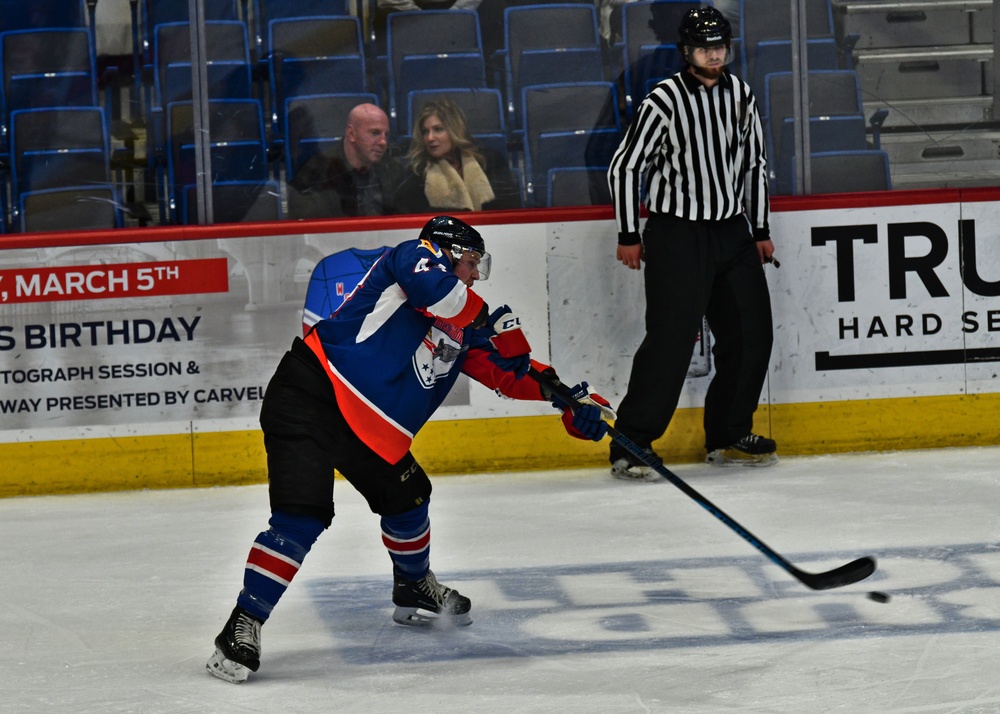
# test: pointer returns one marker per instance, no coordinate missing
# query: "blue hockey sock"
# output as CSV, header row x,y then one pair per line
x,y
408,538
274,560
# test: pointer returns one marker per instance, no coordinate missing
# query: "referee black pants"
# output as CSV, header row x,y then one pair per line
x,y
695,269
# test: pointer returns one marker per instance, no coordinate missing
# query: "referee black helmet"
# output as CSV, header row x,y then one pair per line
x,y
704,27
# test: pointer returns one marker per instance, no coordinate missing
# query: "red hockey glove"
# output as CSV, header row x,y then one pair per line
x,y
512,348
509,340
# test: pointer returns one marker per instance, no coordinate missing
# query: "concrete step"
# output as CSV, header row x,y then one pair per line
x,y
943,158
926,113
914,23
925,72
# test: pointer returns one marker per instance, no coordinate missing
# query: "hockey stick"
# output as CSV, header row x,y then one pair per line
x,y
852,572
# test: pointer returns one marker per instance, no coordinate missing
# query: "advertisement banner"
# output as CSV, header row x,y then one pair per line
x,y
158,337
886,302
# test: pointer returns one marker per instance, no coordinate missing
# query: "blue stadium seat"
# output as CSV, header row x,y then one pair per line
x,y
426,32
483,108
89,207
776,56
34,14
849,171
762,20
648,27
446,71
538,27
238,148
56,147
826,134
567,125
160,12
226,42
266,11
226,80
313,55
236,202
578,186
45,68
554,66
654,63
145,24
831,93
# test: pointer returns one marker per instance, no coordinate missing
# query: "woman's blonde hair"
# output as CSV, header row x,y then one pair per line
x,y
453,120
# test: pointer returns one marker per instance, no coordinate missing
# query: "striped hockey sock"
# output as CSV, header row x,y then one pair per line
x,y
274,560
408,539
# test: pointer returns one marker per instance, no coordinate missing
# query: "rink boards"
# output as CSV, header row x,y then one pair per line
x,y
138,359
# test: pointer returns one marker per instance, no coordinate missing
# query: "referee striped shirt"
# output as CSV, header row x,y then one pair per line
x,y
702,151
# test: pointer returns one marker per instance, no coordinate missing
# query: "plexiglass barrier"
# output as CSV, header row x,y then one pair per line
x,y
327,108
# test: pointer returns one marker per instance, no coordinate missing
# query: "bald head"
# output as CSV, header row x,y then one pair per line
x,y
367,137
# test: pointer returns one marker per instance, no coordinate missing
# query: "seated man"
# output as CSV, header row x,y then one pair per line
x,y
357,177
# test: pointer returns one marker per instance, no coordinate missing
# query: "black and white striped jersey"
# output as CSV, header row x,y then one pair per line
x,y
702,152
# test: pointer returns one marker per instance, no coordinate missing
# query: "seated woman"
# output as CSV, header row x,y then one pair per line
x,y
457,174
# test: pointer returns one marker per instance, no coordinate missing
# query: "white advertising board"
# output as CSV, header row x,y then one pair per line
x,y
159,338
182,336
893,301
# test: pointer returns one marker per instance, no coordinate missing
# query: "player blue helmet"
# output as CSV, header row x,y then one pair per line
x,y
456,237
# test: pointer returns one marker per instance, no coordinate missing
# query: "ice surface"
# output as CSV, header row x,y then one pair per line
x,y
589,595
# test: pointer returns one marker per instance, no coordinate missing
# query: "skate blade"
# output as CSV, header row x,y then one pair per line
x,y
719,458
635,473
219,666
418,617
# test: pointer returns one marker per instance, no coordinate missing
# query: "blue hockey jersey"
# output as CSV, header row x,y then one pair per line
x,y
395,347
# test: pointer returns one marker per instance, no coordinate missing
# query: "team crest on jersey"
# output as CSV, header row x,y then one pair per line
x,y
436,355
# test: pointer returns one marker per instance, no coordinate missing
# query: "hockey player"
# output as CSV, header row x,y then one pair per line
x,y
352,395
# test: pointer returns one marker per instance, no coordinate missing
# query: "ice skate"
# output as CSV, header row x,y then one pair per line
x,y
751,450
237,648
428,603
626,467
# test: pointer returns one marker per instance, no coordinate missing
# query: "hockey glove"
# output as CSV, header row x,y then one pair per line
x,y
581,393
512,348
587,421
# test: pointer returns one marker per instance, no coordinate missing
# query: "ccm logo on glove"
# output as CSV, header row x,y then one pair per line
x,y
509,340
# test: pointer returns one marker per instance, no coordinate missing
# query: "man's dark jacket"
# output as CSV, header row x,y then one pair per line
x,y
324,187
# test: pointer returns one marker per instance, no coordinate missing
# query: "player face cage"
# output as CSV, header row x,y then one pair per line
x,y
457,238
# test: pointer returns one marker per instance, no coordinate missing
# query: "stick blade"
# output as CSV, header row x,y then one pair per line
x,y
853,572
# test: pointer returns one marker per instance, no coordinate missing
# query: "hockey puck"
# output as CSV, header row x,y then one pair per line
x,y
878,597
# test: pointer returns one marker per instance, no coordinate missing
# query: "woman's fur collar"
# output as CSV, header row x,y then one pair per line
x,y
444,188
